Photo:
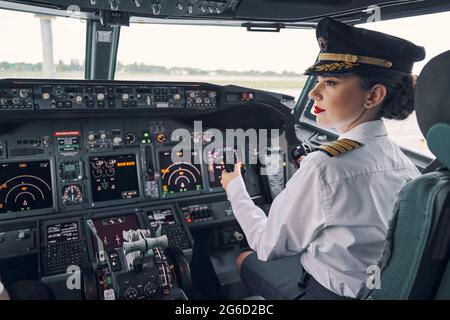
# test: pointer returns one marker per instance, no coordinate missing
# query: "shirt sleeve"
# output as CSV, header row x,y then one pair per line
x,y
3,293
296,215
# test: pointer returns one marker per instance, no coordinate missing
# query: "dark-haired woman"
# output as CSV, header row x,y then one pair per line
x,y
328,227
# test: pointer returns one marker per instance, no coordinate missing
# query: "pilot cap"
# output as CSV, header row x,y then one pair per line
x,y
344,49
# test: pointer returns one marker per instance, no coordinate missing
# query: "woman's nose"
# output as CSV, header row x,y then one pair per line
x,y
314,94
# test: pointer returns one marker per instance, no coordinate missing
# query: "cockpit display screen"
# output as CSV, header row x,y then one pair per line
x,y
25,186
63,232
177,177
110,230
216,164
114,177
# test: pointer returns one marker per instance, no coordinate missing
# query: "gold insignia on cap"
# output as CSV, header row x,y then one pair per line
x,y
340,146
354,58
335,66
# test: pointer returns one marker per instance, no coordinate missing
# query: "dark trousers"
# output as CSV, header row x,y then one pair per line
x,y
283,279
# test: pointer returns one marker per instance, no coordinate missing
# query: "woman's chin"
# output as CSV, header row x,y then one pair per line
x,y
323,122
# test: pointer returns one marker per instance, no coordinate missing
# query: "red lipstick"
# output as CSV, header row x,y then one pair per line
x,y
318,110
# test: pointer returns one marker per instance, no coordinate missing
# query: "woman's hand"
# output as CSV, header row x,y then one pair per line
x,y
228,176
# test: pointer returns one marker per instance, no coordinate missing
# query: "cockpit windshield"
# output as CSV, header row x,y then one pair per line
x,y
41,46
272,61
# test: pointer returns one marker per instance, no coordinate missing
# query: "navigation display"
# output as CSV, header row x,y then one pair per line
x,y
62,232
110,230
25,185
114,177
216,164
180,177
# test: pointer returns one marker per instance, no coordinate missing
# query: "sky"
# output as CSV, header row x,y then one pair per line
x,y
208,48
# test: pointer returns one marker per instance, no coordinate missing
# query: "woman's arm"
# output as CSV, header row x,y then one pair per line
x,y
296,215
3,293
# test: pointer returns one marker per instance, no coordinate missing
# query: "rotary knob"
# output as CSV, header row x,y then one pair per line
x,y
125,96
130,138
130,293
177,96
103,136
23,93
91,137
117,140
45,96
150,289
161,137
78,99
100,97
237,236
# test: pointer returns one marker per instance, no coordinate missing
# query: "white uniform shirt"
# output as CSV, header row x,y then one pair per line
x,y
334,210
3,293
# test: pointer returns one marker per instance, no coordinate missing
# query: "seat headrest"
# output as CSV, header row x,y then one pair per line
x,y
432,104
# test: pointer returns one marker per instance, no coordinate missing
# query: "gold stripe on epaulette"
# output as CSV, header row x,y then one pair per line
x,y
353,143
344,145
330,151
336,146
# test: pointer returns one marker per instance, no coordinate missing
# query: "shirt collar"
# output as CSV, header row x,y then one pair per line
x,y
365,130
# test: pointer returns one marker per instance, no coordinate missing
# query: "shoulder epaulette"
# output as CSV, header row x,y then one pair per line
x,y
340,146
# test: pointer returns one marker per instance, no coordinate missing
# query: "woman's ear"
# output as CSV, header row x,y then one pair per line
x,y
376,95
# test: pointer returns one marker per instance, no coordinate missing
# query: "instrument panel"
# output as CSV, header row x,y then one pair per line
x,y
76,95
65,241
89,160
114,150
79,154
74,152
98,163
